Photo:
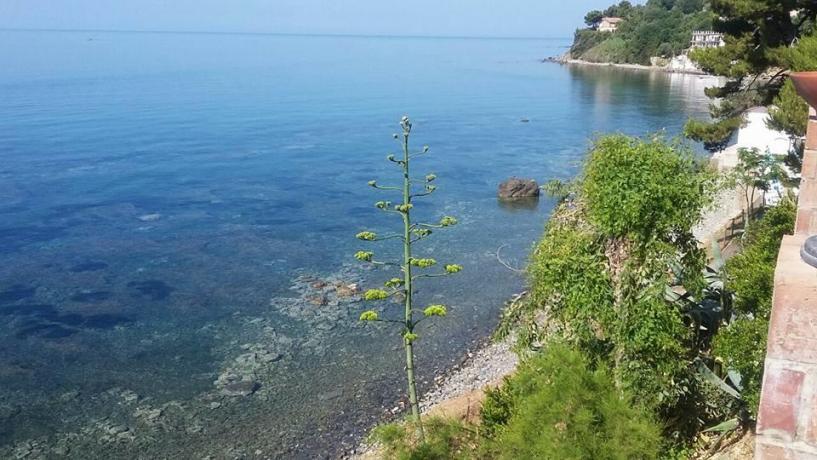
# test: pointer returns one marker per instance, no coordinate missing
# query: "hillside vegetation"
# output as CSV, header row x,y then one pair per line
x,y
660,28
633,345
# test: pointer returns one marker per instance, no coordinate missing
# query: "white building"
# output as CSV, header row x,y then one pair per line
x,y
755,134
609,24
706,39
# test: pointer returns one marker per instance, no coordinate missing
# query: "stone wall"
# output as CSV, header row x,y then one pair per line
x,y
787,421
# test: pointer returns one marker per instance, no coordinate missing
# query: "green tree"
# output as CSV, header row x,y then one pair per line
x,y
643,189
621,10
755,173
758,34
789,112
608,253
412,232
593,18
714,136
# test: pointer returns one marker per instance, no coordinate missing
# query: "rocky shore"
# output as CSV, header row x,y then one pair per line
x,y
566,60
485,367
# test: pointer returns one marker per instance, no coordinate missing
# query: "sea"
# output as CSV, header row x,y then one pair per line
x,y
178,215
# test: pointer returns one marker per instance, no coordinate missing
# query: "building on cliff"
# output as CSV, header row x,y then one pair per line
x,y
609,24
706,39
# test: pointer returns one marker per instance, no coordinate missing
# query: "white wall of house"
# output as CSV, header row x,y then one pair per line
x,y
754,134
609,24
757,135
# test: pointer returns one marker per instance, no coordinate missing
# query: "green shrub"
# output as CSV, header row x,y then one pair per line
x,y
562,408
568,274
644,188
599,274
742,345
444,440
750,276
654,352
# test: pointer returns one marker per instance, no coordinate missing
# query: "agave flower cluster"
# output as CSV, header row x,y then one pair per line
x,y
412,233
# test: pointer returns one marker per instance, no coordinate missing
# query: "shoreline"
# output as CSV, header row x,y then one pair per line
x,y
459,392
665,69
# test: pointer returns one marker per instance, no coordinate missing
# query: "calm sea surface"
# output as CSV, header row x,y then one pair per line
x,y
177,218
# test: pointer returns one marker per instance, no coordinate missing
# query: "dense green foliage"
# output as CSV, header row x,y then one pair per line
x,y
750,275
763,41
445,440
624,324
661,28
601,269
715,137
558,407
641,189
790,112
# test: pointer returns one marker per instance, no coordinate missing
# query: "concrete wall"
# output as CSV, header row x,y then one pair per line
x,y
787,420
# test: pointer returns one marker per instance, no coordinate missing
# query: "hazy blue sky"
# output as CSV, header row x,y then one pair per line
x,y
537,18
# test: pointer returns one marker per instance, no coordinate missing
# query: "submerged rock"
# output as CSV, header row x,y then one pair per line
x,y
129,396
518,188
240,388
150,217
148,415
319,300
346,290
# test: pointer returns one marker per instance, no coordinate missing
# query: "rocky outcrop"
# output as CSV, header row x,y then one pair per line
x,y
518,188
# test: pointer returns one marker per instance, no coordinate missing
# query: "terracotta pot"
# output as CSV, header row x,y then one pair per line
x,y
806,85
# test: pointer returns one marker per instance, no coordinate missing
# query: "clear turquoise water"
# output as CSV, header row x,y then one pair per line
x,y
169,200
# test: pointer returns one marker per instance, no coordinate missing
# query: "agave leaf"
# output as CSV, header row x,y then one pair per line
x,y
724,427
735,378
670,295
676,268
712,378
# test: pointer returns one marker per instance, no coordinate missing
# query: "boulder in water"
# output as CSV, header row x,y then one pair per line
x,y
518,188
240,388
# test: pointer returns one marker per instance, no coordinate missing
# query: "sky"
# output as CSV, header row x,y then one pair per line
x,y
493,18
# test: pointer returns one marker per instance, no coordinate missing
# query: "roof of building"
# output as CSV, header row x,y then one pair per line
x,y
612,19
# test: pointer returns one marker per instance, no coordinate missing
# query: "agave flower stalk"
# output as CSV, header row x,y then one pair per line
x,y
411,233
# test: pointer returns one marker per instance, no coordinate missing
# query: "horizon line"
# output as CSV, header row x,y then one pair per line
x,y
290,34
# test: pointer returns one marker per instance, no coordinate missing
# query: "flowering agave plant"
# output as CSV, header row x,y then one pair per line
x,y
410,189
